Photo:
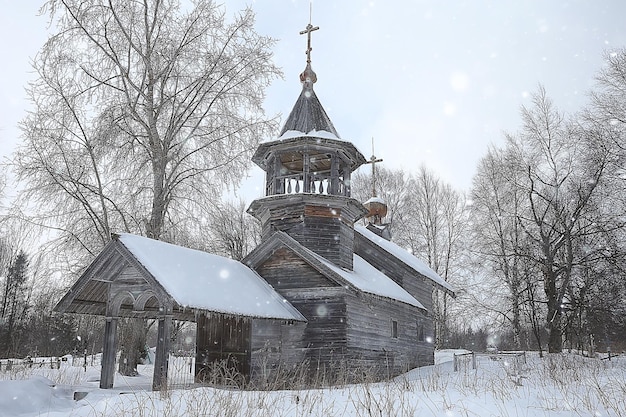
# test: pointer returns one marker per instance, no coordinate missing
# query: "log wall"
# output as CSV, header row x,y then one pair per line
x,y
347,331
380,346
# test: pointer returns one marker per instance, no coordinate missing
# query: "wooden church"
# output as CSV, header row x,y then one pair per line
x,y
320,294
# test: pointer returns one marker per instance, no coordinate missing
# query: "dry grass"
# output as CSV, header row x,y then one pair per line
x,y
556,385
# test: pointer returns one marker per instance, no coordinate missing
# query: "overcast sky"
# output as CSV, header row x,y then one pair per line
x,y
433,82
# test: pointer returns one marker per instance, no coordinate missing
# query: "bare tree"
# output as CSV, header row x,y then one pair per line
x,y
392,185
231,231
497,201
564,167
607,116
434,232
14,305
608,111
142,111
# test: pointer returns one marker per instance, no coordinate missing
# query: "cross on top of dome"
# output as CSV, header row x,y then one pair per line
x,y
308,76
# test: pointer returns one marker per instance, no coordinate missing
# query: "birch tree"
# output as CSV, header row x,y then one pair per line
x,y
434,232
608,100
565,168
496,203
141,112
233,232
500,244
607,114
13,304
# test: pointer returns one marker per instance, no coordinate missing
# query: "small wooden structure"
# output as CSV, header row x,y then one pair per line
x,y
138,277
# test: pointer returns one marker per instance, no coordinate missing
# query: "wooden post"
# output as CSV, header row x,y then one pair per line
x,y
334,174
346,181
109,351
456,363
279,183
159,379
473,360
269,178
306,175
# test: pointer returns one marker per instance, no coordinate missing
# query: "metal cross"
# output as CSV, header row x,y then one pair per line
x,y
309,28
373,161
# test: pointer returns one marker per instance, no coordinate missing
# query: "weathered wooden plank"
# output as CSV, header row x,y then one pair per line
x,y
285,270
159,377
225,341
370,332
322,211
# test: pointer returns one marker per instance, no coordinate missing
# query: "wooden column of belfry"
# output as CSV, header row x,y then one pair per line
x,y
347,179
306,175
334,174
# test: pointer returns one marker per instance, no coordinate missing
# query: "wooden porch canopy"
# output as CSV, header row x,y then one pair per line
x,y
135,276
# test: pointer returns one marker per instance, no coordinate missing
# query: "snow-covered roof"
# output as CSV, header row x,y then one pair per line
x,y
404,256
363,277
201,280
289,134
375,200
370,280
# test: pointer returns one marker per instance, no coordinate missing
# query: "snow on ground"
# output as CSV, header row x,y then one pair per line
x,y
556,386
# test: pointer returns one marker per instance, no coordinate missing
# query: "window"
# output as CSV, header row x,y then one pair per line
x,y
420,332
394,329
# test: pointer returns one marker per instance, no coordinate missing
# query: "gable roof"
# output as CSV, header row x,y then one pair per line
x,y
405,257
193,279
364,277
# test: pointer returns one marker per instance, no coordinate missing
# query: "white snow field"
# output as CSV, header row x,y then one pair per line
x,y
557,385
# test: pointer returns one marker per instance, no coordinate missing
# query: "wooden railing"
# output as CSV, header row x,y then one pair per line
x,y
294,184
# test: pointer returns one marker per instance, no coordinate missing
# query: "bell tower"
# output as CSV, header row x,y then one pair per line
x,y
307,178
